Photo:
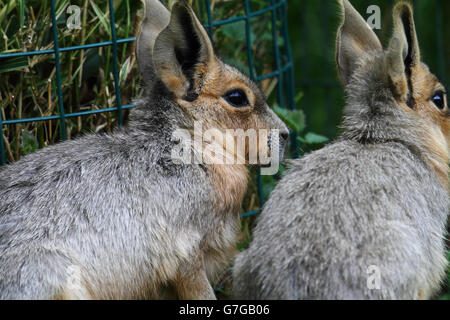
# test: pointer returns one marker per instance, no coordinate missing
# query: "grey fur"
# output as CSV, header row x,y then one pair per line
x,y
157,17
116,208
369,199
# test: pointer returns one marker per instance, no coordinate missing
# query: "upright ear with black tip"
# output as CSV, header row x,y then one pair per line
x,y
156,19
182,53
403,53
354,38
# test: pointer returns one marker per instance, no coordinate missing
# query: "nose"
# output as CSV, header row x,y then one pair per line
x,y
284,137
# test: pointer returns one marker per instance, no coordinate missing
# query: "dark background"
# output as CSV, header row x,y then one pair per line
x,y
313,25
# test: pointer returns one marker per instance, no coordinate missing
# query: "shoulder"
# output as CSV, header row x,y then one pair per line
x,y
347,170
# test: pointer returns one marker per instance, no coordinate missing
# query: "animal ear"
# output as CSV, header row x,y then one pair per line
x,y
156,19
403,53
354,38
182,53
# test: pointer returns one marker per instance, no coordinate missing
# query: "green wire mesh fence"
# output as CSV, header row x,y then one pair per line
x,y
282,70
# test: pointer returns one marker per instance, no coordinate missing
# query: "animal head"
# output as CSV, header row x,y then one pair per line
x,y
391,94
177,61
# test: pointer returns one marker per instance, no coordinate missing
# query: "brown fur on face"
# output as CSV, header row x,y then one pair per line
x,y
414,87
434,123
214,80
231,182
211,108
198,82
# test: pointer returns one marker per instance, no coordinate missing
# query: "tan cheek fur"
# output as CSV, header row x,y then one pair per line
x,y
436,131
230,181
175,85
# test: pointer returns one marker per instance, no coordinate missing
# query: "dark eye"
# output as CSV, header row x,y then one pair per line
x,y
439,99
237,98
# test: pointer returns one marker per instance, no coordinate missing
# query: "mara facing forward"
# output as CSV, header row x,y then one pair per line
x,y
113,216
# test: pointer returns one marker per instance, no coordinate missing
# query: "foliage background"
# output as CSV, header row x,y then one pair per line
x,y
28,84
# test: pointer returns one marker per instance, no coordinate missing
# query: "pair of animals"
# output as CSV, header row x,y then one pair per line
x,y
112,216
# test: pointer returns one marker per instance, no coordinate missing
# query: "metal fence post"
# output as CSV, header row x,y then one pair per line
x,y
58,73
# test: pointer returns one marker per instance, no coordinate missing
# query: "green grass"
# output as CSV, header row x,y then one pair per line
x,y
28,84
